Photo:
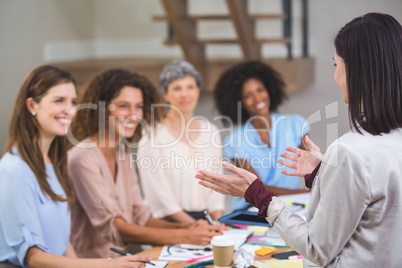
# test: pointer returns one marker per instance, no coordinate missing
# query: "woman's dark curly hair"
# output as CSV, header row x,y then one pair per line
x,y
101,90
228,89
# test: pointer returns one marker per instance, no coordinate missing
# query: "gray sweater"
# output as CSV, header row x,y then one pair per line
x,y
355,212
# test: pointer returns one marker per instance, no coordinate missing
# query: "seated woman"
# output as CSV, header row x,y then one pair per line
x,y
248,94
109,211
188,144
35,193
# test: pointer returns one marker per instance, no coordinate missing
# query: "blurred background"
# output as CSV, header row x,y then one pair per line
x,y
86,36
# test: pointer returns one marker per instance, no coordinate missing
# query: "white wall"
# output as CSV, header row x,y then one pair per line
x,y
326,18
127,19
26,26
124,28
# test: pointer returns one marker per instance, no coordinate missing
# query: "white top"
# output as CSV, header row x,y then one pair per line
x,y
355,211
167,168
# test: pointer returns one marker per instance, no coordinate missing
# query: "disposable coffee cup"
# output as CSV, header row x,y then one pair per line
x,y
223,249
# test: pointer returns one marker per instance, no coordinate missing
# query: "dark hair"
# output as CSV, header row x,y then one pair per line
x,y
371,47
24,130
228,89
104,88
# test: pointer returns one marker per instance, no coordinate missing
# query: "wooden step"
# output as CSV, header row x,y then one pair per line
x,y
267,16
195,17
218,41
219,17
262,41
85,70
232,41
206,42
297,73
185,31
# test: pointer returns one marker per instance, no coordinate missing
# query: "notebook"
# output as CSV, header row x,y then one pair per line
x,y
180,253
239,236
279,264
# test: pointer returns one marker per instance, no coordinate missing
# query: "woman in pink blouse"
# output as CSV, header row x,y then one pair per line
x,y
109,211
35,193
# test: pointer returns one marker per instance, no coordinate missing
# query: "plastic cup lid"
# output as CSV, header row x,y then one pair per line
x,y
222,241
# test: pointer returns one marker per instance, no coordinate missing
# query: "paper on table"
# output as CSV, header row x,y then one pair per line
x,y
250,247
279,264
178,253
271,238
274,238
258,229
239,236
296,198
158,264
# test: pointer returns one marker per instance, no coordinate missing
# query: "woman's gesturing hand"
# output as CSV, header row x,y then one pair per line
x,y
234,185
306,161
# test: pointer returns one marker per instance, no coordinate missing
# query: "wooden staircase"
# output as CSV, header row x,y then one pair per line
x,y
182,31
297,73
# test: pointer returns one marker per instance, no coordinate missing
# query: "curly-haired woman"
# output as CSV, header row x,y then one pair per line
x,y
109,211
35,192
249,94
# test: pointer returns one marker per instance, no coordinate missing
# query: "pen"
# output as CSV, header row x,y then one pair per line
x,y
295,203
242,226
295,257
200,264
200,258
270,245
208,217
121,252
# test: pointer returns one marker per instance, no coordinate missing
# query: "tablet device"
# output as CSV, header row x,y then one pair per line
x,y
284,255
244,217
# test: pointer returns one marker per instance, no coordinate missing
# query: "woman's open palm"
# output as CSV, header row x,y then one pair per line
x,y
306,161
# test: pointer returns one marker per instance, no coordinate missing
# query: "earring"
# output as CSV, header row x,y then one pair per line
x,y
33,114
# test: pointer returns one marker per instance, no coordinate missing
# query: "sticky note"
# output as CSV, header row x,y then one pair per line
x,y
265,250
258,229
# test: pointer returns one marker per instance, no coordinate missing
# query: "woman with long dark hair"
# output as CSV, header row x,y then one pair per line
x,y
355,209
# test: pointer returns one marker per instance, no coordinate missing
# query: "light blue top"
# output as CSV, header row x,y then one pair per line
x,y
28,217
245,143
